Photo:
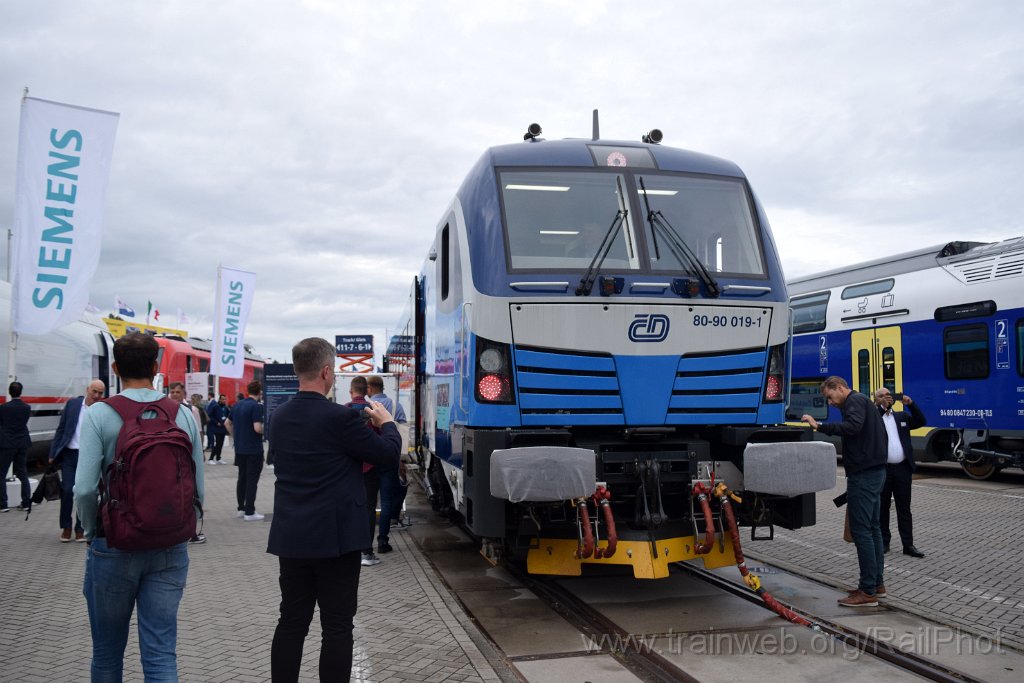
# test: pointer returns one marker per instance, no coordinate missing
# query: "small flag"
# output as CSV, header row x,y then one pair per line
x,y
149,310
182,319
122,308
156,315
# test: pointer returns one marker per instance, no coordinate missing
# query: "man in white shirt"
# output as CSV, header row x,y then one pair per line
x,y
899,466
64,452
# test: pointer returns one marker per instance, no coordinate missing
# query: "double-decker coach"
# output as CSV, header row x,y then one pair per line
x,y
943,323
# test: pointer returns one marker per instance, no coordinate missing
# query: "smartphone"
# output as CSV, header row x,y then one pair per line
x,y
897,397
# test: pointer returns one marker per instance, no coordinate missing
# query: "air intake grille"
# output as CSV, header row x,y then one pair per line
x,y
992,262
566,388
717,388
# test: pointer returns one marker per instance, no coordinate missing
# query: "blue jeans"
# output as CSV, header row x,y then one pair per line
x,y
389,486
115,582
68,464
863,497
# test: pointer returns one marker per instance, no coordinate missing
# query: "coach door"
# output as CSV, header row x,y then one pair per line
x,y
877,356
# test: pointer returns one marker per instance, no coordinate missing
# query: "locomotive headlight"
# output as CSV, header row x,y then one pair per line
x,y
491,360
775,382
493,376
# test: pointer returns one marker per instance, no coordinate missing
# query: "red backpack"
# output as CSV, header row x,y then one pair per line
x,y
149,496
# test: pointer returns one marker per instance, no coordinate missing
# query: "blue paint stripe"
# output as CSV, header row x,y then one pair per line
x,y
571,420
743,360
567,402
560,361
710,419
714,401
535,380
750,380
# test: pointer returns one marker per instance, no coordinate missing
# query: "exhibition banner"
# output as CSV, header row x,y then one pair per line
x,y
64,157
235,289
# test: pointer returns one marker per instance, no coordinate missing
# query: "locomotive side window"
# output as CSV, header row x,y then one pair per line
x,y
858,291
445,261
560,220
204,365
966,351
809,312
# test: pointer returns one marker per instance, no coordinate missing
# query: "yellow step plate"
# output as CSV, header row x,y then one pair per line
x,y
558,556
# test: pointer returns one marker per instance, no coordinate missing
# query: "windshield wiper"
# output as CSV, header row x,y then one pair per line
x,y
680,250
590,276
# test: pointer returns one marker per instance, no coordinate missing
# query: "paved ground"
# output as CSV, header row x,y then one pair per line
x,y
408,627
971,532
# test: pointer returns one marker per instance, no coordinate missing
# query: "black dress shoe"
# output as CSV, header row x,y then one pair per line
x,y
912,551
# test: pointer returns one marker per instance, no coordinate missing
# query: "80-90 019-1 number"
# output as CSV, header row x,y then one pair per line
x,y
726,321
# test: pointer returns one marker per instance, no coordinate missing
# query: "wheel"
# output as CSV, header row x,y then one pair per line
x,y
981,469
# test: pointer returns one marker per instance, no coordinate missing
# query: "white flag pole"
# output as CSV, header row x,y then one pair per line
x,y
216,334
12,341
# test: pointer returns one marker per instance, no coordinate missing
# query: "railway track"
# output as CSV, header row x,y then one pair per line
x,y
634,651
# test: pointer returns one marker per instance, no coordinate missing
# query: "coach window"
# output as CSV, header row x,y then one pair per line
x,y
809,312
868,288
864,372
889,369
966,351
1020,347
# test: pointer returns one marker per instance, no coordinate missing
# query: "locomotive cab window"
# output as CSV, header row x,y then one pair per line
x,y
712,218
966,351
562,220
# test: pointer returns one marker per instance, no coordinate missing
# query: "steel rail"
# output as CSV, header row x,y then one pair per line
x,y
870,645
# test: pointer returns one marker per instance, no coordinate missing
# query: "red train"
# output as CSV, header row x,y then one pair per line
x,y
179,356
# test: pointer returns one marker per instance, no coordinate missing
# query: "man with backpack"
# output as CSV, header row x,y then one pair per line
x,y
138,483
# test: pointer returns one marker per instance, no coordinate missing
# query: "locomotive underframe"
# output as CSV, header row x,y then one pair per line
x,y
650,473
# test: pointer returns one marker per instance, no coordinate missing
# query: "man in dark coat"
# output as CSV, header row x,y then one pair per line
x,y
218,413
319,526
864,448
14,444
64,452
899,467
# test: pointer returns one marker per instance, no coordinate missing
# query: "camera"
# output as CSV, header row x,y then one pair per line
x,y
897,397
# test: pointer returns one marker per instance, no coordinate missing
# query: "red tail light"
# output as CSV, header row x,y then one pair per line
x,y
493,372
775,383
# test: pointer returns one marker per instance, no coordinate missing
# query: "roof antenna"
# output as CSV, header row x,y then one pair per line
x,y
597,132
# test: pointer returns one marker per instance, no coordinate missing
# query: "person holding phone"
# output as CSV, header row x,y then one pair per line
x,y
899,467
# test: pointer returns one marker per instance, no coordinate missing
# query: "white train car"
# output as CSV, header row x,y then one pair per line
x,y
55,367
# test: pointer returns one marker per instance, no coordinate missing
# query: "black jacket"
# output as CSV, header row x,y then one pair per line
x,y
865,443
904,423
319,498
14,416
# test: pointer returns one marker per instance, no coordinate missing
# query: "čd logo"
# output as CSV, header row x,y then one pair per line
x,y
649,327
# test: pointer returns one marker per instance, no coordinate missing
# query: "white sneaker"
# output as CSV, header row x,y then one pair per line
x,y
240,514
254,517
369,559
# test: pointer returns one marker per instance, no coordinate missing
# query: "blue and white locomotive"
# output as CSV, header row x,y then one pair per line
x,y
600,330
943,323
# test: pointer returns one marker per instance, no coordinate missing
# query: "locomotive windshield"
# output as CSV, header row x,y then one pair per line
x,y
713,216
556,220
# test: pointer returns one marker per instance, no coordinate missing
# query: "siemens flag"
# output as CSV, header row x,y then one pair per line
x,y
64,155
235,290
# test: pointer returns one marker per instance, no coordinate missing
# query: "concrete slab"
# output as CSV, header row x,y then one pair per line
x,y
678,604
467,570
521,624
787,653
981,658
594,669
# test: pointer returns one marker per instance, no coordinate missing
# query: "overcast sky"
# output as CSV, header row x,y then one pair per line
x,y
317,143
